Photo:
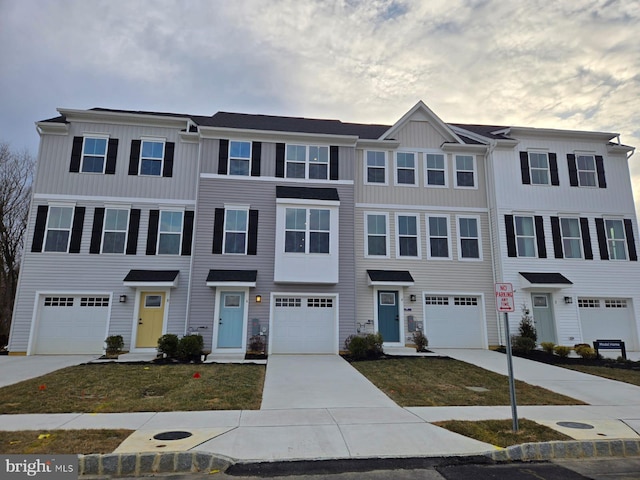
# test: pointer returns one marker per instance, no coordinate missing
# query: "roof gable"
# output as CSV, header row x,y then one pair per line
x,y
421,112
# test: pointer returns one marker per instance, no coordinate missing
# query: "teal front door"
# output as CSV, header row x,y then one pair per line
x,y
388,316
231,320
543,317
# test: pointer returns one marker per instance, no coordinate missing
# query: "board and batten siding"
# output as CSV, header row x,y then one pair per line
x,y
419,134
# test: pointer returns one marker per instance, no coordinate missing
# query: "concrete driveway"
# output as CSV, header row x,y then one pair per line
x,y
14,369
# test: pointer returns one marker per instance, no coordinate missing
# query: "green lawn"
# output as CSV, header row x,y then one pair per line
x,y
61,442
622,375
113,387
431,381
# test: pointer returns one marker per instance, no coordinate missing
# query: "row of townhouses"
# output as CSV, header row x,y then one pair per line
x,y
309,231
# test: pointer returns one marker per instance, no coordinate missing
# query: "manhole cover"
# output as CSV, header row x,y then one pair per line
x,y
172,435
477,389
582,426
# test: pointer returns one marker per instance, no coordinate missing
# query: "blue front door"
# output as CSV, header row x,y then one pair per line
x,y
231,320
388,316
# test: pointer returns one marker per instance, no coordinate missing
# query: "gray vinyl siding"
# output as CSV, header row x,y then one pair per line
x,y
260,195
419,134
53,176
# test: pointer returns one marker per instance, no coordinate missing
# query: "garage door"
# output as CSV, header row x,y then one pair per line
x,y
304,324
71,324
454,321
607,318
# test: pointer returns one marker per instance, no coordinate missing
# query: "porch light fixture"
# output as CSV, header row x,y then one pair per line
x,y
123,298
258,298
568,300
412,298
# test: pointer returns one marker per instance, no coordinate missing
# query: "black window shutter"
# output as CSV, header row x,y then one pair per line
x,y
511,236
524,168
167,169
132,235
40,228
280,148
152,234
333,163
112,154
602,179
256,155
553,168
631,243
76,154
76,230
602,239
252,241
218,230
573,170
542,247
223,157
96,230
557,237
586,238
134,158
187,232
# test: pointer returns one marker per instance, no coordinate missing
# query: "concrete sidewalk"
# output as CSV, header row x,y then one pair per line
x,y
14,369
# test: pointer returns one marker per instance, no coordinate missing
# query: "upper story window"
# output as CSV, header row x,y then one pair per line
x,y
439,242
236,223
170,233
436,173
307,161
151,157
94,154
525,236
616,240
405,168
376,167
114,235
307,230
571,238
586,165
469,238
58,231
239,158
408,241
539,168
465,171
377,243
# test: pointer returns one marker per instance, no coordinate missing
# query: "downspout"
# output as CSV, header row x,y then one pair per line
x,y
491,204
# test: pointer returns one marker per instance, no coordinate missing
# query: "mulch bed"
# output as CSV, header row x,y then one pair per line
x,y
544,357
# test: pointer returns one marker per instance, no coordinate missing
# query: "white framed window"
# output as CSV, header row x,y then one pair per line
x,y
153,301
571,237
469,241
236,224
151,157
58,301
94,301
525,236
239,158
375,167
58,233
615,303
170,232
436,300
307,161
405,168
114,232
376,242
539,168
94,154
435,170
465,301
588,303
320,302
586,165
616,239
465,166
407,236
438,236
307,230
288,302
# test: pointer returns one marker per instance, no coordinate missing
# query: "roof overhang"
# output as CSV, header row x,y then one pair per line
x,y
152,278
378,144
149,119
398,278
463,147
232,278
544,280
52,128
276,135
552,132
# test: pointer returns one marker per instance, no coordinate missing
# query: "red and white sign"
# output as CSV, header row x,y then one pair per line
x,y
504,297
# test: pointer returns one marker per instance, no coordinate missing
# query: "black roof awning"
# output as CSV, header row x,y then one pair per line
x,y
390,277
308,193
158,278
245,278
544,280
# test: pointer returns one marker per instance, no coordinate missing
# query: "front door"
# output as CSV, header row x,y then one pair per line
x,y
231,320
543,317
388,316
150,319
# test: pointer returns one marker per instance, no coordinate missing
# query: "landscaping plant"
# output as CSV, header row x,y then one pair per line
x,y
548,347
190,348
115,344
420,341
168,345
562,351
363,347
585,351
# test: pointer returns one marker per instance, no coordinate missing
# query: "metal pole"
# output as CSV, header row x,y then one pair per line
x,y
512,383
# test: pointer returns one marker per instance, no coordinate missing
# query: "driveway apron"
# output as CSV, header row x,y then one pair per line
x,y
14,369
317,381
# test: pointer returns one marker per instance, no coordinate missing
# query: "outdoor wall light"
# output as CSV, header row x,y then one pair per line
x,y
568,300
412,298
258,298
123,298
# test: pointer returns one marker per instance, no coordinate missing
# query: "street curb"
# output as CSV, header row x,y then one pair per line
x,y
528,452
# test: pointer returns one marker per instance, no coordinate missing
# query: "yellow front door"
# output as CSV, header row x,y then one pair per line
x,y
150,319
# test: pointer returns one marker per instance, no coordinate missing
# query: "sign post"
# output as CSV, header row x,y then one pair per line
x,y
505,303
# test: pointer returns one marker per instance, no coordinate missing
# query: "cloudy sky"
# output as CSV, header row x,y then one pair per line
x,y
544,63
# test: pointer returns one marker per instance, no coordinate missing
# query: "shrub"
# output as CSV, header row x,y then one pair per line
x,y
115,344
585,351
527,328
548,347
368,346
256,343
420,340
190,348
522,344
168,345
562,351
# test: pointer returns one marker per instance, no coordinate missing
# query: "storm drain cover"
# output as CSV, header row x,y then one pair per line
x,y
172,435
477,389
582,426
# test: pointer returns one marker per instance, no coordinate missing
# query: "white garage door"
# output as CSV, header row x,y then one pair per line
x,y
71,324
607,319
304,324
454,321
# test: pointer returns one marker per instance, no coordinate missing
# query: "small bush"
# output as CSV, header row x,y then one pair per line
x,y
115,344
420,340
562,351
168,345
548,347
369,346
527,329
256,344
585,351
522,344
190,348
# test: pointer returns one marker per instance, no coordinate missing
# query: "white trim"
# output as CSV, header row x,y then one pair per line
x,y
136,315
422,208
399,289
455,171
100,198
366,167
416,175
459,238
222,283
427,226
245,320
397,216
173,284
276,179
445,167
387,235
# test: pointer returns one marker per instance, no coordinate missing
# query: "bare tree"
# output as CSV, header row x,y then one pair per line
x,y
16,174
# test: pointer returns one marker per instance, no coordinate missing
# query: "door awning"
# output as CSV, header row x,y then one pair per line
x,y
547,280
400,278
232,278
152,278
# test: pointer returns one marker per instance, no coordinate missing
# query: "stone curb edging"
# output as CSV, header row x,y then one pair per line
x,y
567,449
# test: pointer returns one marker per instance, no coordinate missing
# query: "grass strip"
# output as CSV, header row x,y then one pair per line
x,y
61,442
